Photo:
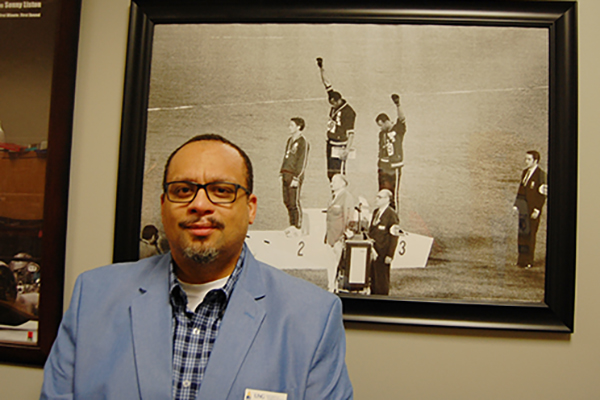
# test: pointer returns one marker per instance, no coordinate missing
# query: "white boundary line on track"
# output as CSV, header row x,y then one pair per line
x,y
253,103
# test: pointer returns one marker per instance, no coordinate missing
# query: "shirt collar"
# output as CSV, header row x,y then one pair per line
x,y
178,296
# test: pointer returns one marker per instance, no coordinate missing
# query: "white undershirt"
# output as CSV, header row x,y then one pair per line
x,y
196,292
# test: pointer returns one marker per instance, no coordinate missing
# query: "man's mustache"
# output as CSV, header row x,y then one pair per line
x,y
206,222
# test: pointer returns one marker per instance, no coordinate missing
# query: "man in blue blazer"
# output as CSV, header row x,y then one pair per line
x,y
207,320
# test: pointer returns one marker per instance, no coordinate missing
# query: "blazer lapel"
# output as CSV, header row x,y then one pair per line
x,y
241,323
151,321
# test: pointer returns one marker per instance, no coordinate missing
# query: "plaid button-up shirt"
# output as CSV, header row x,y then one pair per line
x,y
194,333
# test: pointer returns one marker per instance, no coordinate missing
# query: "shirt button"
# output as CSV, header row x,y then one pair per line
x,y
195,331
186,383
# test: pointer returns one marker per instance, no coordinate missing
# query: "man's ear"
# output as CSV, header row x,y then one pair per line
x,y
252,205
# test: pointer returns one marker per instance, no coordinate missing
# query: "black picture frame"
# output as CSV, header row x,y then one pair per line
x,y
56,190
556,312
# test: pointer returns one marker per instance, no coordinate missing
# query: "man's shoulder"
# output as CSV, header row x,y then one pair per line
x,y
540,171
302,141
343,193
349,109
125,271
343,198
400,126
288,288
390,213
348,197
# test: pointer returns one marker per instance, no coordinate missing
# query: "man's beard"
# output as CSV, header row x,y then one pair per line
x,y
201,256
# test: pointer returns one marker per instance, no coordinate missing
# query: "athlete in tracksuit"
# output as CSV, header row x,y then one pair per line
x,y
292,170
391,153
340,128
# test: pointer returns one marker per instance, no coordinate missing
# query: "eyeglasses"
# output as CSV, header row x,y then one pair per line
x,y
217,192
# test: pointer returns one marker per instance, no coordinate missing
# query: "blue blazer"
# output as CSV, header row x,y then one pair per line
x,y
279,334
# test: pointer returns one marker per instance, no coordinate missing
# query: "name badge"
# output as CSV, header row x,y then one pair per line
x,y
253,394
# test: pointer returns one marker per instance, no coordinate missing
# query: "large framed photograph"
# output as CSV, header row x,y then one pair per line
x,y
417,159
37,89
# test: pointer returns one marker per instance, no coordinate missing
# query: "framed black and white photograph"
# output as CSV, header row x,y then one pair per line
x,y
37,89
418,159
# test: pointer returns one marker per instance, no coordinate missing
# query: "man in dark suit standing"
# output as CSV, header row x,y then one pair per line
x,y
531,197
384,218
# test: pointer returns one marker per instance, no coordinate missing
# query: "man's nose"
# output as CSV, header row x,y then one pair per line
x,y
201,202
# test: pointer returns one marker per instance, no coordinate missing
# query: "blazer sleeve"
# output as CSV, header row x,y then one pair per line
x,y
328,376
59,367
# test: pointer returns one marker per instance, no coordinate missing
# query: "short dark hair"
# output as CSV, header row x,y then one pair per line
x,y
215,138
535,154
299,122
383,117
333,95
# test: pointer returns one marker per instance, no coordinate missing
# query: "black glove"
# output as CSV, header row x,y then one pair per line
x,y
396,99
320,62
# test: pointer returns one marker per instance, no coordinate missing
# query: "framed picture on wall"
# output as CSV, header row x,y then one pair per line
x,y
37,89
457,116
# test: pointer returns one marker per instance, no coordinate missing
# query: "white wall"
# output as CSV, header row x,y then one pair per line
x,y
385,362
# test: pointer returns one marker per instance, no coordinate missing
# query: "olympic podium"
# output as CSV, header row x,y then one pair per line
x,y
308,251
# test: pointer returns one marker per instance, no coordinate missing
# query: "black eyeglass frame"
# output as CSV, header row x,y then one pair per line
x,y
199,186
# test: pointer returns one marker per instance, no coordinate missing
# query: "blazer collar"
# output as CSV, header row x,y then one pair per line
x,y
378,213
241,323
528,173
151,324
